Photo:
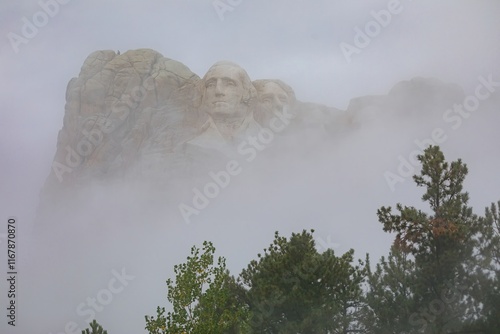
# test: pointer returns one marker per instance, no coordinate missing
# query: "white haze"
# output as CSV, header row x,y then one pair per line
x,y
333,185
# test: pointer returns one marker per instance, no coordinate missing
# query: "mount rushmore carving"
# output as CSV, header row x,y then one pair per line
x,y
141,116
139,112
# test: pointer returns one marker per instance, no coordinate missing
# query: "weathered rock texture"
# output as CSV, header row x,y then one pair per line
x,y
131,110
129,115
119,107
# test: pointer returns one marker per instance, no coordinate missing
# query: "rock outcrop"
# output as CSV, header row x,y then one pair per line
x,y
120,106
131,111
132,116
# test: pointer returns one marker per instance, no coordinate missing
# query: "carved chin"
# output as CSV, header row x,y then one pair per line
x,y
225,109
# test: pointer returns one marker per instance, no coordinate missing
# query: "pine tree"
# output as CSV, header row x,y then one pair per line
x,y
294,289
96,329
440,242
484,270
389,300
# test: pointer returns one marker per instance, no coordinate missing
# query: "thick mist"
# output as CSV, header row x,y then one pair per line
x,y
106,249
331,183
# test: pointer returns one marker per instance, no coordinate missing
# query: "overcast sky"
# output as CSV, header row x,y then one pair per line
x,y
297,41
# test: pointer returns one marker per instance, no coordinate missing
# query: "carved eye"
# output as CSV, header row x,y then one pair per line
x,y
211,83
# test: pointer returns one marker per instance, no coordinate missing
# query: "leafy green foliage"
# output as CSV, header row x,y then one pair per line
x,y
201,298
441,275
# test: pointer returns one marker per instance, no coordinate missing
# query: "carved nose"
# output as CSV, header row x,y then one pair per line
x,y
278,104
218,88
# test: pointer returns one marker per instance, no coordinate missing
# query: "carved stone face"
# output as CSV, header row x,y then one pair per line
x,y
224,92
272,97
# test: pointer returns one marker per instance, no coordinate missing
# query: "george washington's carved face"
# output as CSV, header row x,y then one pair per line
x,y
224,92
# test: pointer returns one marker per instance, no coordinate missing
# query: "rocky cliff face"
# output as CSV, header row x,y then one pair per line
x,y
132,116
119,106
135,107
